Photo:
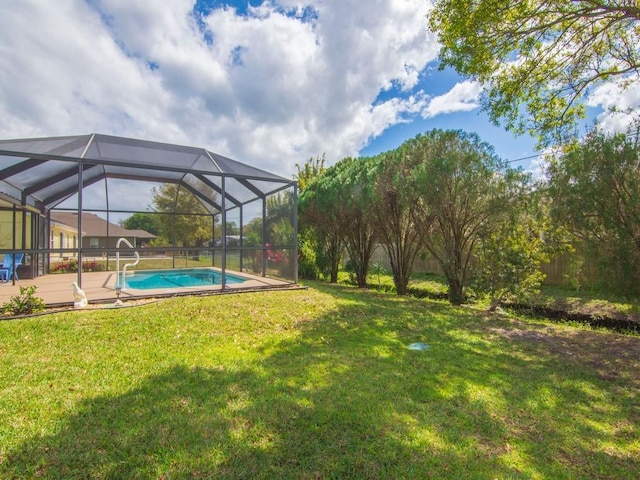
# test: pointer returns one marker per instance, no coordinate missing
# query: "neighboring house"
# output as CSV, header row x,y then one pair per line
x,y
96,232
63,236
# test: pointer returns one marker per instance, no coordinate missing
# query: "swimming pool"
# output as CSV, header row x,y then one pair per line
x,y
177,278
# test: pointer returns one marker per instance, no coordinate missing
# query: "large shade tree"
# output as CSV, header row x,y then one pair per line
x,y
463,190
319,213
393,204
538,60
350,187
338,205
184,218
142,221
446,192
596,194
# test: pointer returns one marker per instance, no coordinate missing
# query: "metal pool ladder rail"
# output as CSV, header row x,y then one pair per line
x,y
120,275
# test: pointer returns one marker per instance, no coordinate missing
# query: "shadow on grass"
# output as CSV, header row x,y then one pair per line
x,y
347,399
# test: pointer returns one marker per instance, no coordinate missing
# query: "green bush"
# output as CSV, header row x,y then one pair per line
x,y
25,303
72,267
307,265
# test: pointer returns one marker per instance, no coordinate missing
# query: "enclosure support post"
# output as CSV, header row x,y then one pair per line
x,y
241,243
264,236
48,243
106,196
80,188
173,228
224,235
13,246
295,233
212,240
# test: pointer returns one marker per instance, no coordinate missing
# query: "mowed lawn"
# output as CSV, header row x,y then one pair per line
x,y
315,383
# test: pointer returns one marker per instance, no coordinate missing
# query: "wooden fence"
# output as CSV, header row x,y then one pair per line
x,y
558,272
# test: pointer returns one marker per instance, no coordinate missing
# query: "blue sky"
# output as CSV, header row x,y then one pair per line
x,y
267,83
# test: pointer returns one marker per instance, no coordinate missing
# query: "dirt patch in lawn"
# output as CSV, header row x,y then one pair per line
x,y
613,357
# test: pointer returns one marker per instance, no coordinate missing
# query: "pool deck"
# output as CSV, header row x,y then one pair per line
x,y
56,290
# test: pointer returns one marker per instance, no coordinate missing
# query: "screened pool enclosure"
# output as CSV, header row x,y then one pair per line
x,y
76,203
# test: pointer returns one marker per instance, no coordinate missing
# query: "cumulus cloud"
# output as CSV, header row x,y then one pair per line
x,y
463,97
620,103
270,86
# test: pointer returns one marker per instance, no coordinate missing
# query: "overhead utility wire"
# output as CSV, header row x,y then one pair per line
x,y
628,135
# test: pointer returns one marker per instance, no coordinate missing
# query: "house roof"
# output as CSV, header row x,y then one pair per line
x,y
94,226
141,234
44,172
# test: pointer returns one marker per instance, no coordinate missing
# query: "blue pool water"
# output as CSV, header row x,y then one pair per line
x,y
175,278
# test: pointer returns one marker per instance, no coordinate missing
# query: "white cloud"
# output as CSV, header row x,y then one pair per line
x,y
270,88
463,97
620,104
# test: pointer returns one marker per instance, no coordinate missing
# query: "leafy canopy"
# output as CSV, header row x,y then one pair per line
x,y
186,219
539,59
142,221
596,194
394,201
463,189
310,170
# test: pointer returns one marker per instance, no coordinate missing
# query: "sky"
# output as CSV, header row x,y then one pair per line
x,y
270,83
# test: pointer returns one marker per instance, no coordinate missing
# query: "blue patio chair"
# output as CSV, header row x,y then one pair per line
x,y
10,265
7,264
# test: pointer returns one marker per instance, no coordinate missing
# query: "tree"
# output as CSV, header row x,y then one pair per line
x,y
462,188
311,169
280,219
336,204
509,258
318,205
355,213
313,244
142,221
596,193
538,60
184,217
393,204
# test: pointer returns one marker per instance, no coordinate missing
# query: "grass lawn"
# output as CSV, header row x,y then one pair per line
x,y
314,384
151,263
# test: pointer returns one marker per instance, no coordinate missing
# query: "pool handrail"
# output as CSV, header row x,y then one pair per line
x,y
120,283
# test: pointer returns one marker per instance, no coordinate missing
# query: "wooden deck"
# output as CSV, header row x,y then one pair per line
x,y
55,289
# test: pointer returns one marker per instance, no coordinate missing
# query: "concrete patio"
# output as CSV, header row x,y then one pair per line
x,y
56,290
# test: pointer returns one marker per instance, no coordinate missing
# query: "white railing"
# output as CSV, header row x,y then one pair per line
x,y
120,283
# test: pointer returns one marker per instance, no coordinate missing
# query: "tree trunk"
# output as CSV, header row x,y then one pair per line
x,y
361,275
495,303
335,266
334,252
402,285
456,292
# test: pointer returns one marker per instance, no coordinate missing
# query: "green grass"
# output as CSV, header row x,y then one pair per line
x,y
314,384
590,302
422,285
596,301
179,261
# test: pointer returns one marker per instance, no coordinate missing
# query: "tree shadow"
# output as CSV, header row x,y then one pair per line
x,y
343,399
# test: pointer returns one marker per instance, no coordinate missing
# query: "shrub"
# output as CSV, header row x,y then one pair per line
x,y
72,267
25,303
307,267
378,269
92,266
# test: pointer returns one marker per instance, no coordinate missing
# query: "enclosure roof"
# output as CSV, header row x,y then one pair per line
x,y
45,171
